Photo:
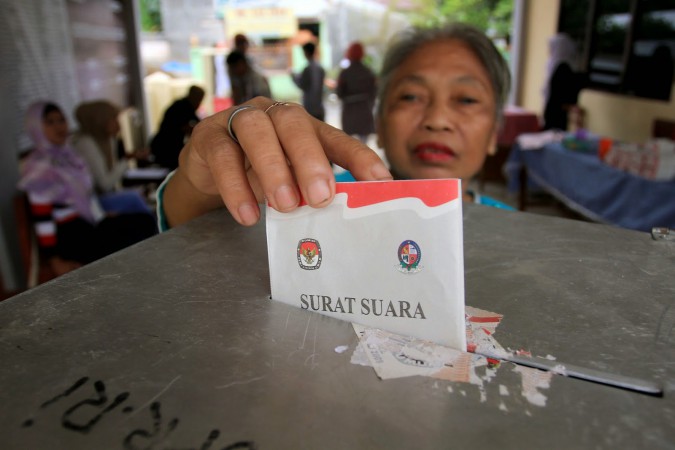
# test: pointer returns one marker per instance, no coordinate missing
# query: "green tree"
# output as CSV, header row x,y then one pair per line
x,y
491,16
151,18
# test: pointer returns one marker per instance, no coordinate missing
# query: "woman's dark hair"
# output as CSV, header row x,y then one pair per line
x,y
50,108
309,48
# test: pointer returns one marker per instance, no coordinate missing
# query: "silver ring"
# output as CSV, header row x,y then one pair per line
x,y
276,104
229,121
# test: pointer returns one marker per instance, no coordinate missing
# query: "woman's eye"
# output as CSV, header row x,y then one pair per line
x,y
408,97
467,100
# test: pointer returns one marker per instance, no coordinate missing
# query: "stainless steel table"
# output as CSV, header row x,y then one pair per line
x,y
174,344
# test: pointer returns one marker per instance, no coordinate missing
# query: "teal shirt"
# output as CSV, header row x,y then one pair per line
x,y
344,177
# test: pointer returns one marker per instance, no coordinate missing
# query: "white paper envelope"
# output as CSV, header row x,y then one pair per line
x,y
385,254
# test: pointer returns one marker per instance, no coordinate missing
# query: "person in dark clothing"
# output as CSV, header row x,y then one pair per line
x,y
563,84
246,82
310,81
241,43
357,88
563,94
177,124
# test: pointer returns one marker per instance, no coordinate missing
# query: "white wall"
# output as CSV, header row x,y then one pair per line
x,y
541,22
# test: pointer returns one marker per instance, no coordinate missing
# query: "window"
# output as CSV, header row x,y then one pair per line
x,y
626,46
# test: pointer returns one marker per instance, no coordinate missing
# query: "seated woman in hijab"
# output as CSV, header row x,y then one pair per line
x,y
71,225
96,141
441,96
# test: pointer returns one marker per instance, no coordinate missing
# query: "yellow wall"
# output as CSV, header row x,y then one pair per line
x,y
622,117
617,116
541,22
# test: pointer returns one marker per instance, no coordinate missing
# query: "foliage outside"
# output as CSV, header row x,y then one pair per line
x,y
491,16
151,19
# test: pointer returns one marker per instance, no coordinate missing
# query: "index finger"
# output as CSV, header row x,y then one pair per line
x,y
310,143
359,159
269,159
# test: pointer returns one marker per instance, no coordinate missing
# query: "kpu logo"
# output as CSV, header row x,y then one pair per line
x,y
409,257
309,254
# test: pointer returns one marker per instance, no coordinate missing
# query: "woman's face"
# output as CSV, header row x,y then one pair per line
x,y
438,117
113,126
55,128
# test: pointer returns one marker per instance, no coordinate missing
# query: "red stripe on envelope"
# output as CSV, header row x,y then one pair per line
x,y
431,192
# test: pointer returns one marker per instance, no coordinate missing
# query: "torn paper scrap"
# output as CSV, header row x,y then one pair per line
x,y
396,356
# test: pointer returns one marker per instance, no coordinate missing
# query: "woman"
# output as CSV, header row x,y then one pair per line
x,y
72,227
441,95
563,84
356,88
96,142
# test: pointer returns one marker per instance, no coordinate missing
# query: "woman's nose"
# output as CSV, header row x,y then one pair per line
x,y
438,117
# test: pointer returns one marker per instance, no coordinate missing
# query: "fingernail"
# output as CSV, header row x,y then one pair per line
x,y
285,198
248,214
318,192
380,172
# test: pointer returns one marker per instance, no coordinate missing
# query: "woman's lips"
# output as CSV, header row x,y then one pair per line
x,y
434,152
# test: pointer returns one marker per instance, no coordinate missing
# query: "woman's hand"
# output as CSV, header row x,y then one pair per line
x,y
283,153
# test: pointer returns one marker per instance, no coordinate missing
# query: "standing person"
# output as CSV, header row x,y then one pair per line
x,y
441,96
176,126
246,82
562,82
71,226
356,87
241,43
310,81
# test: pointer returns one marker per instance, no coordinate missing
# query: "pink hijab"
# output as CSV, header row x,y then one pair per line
x,y
55,174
